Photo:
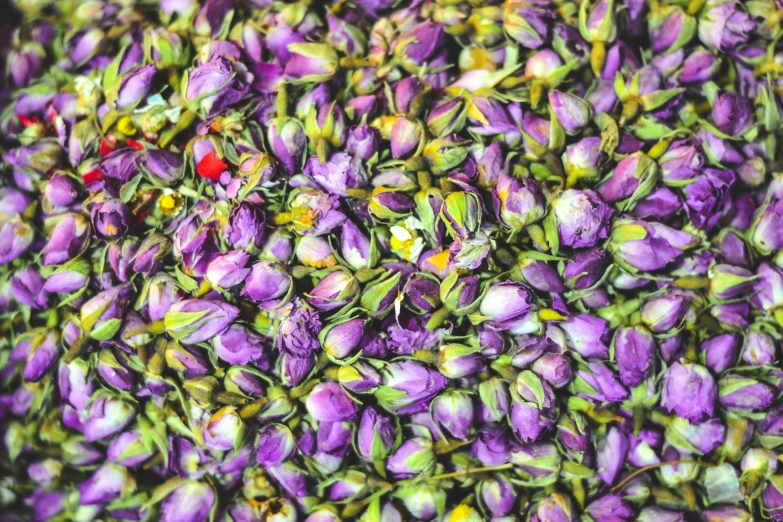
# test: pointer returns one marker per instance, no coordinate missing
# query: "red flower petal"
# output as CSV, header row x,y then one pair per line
x,y
93,175
135,144
105,148
211,166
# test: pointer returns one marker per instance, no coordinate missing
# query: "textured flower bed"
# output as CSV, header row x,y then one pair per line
x,y
389,260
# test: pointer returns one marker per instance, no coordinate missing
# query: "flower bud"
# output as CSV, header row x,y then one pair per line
x,y
340,340
269,285
634,351
453,412
311,63
334,291
193,321
329,402
413,457
689,390
375,435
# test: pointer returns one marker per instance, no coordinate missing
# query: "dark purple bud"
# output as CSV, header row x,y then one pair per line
x,y
689,390
408,386
743,393
298,332
598,383
420,44
575,436
582,218
363,142
329,402
164,165
375,435
239,345
585,268
213,87
109,482
719,353
68,239
27,286
269,285
196,320
634,351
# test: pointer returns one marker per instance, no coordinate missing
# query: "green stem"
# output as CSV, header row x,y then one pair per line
x,y
645,469
470,471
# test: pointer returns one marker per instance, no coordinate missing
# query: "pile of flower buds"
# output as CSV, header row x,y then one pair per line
x,y
392,260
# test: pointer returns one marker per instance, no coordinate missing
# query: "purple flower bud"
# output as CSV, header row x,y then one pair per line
x,y
663,313
587,335
724,26
572,112
610,455
111,218
497,495
689,390
585,268
311,63
130,88
213,87
527,22
683,160
227,270
329,402
45,473
194,321
342,339
298,332
631,173
45,505
533,409
634,351
109,482
648,246
340,173
719,353
759,348
334,291
69,239
245,226
598,383
554,368
187,360
582,218
114,370
518,202
190,502
732,113
43,352
128,450
107,417
59,192
375,435
413,457
27,286
269,285
149,258
574,436
287,141
225,430
610,508
408,386
453,412
737,392
700,66
363,142
420,44
554,508
239,345
508,305
164,165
